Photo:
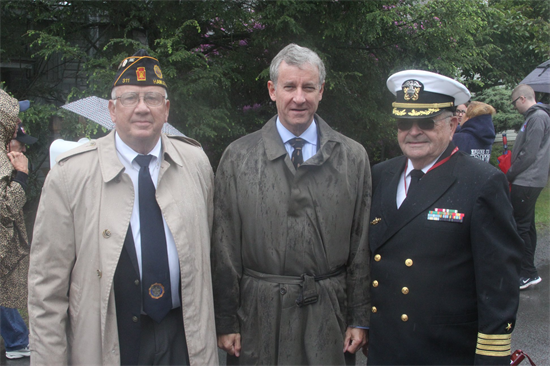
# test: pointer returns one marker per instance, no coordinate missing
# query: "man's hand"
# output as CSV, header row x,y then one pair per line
x,y
230,343
355,339
19,161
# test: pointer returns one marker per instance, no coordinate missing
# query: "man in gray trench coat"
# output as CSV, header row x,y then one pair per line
x,y
289,257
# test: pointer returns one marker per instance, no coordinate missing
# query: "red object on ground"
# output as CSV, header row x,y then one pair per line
x,y
505,161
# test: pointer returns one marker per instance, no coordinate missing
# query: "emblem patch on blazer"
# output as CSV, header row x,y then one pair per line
x,y
156,291
375,221
445,214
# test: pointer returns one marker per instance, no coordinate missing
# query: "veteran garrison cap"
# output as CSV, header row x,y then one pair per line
x,y
139,69
421,94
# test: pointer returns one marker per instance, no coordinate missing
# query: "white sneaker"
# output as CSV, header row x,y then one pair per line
x,y
18,353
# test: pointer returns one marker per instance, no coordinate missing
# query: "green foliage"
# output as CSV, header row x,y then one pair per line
x,y
215,56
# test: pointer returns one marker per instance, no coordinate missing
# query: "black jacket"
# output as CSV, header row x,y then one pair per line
x,y
439,285
476,137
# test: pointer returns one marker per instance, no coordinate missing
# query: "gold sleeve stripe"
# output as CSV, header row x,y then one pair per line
x,y
494,341
494,336
418,105
493,348
492,353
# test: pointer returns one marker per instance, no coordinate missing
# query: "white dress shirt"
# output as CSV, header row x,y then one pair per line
x,y
309,136
126,155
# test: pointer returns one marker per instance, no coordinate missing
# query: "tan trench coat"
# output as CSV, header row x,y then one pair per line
x,y
81,224
275,220
14,246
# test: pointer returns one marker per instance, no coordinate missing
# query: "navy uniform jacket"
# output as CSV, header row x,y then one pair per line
x,y
443,292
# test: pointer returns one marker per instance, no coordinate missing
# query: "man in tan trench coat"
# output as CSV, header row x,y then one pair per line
x,y
289,257
87,304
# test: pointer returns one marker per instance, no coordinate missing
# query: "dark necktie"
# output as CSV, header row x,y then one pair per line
x,y
297,156
155,272
416,175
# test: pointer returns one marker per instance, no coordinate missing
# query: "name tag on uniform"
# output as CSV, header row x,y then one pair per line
x,y
445,214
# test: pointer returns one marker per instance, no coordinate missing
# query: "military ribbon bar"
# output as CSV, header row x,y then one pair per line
x,y
445,214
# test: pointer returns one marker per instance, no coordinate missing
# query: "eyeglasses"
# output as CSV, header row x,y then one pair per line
x,y
151,99
460,111
426,124
515,100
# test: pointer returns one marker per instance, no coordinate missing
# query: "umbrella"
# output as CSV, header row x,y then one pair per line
x,y
97,109
539,79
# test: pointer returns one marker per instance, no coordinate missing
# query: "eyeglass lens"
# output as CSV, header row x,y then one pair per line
x,y
423,124
515,100
152,99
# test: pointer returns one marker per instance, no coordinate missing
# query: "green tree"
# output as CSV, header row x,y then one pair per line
x,y
216,54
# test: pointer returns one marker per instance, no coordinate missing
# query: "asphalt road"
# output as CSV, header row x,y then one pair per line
x,y
532,333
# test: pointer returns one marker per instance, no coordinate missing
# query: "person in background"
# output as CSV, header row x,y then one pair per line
x,y
477,134
444,246
528,174
14,245
460,112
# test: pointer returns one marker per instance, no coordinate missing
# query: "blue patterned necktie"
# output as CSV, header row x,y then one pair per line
x,y
297,155
155,271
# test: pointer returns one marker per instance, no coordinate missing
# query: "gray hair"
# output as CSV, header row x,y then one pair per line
x,y
296,56
113,94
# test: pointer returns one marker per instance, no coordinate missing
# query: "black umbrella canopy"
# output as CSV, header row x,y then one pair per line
x,y
539,79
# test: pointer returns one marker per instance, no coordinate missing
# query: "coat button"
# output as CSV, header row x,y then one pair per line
x,y
282,291
136,282
405,290
374,309
404,317
408,262
374,283
135,319
106,234
377,257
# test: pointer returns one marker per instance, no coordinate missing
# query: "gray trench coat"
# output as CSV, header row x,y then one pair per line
x,y
271,219
79,233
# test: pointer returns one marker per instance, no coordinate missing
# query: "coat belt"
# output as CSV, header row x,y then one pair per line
x,y
309,294
291,280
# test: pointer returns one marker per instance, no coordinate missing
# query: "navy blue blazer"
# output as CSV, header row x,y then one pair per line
x,y
443,292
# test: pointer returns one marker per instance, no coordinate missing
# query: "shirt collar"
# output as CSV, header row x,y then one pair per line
x,y
310,135
129,154
425,169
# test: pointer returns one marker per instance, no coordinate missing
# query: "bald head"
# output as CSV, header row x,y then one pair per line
x,y
523,98
524,90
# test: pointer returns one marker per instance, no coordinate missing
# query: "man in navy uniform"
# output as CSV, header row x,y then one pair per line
x,y
444,246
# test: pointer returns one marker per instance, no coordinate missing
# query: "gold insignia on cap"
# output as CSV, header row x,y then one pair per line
x,y
411,89
423,113
399,113
509,327
157,71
